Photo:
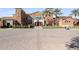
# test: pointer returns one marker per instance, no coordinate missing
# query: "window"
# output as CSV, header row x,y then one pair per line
x,y
38,17
69,21
66,21
53,18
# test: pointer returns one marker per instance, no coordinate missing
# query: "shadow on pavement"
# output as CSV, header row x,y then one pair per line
x,y
73,44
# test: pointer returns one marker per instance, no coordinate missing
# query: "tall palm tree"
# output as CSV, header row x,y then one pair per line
x,y
75,12
48,11
57,12
52,11
78,12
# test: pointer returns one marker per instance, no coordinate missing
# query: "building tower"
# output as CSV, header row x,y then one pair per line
x,y
18,15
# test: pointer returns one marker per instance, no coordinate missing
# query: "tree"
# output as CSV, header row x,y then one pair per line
x,y
52,11
48,11
57,12
75,12
78,12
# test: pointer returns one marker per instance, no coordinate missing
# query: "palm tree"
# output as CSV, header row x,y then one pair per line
x,y
78,12
52,12
75,12
57,12
48,11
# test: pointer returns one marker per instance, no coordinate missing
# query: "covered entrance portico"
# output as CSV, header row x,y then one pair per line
x,y
38,22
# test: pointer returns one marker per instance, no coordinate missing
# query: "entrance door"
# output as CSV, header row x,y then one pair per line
x,y
38,23
8,25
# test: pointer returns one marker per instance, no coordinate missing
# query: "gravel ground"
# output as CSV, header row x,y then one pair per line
x,y
36,39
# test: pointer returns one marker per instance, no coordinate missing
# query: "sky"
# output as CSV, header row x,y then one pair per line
x,y
10,11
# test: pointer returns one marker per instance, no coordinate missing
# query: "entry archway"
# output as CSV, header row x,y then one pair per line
x,y
38,23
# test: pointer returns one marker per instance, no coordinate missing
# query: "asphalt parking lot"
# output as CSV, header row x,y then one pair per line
x,y
36,39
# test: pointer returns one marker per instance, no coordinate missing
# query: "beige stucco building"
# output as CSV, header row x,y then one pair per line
x,y
38,19
66,21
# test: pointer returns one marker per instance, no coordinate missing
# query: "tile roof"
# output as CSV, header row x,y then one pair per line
x,y
8,18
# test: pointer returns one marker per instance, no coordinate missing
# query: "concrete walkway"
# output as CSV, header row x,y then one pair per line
x,y
38,27
36,39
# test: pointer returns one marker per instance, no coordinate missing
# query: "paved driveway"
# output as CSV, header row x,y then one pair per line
x,y
35,39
